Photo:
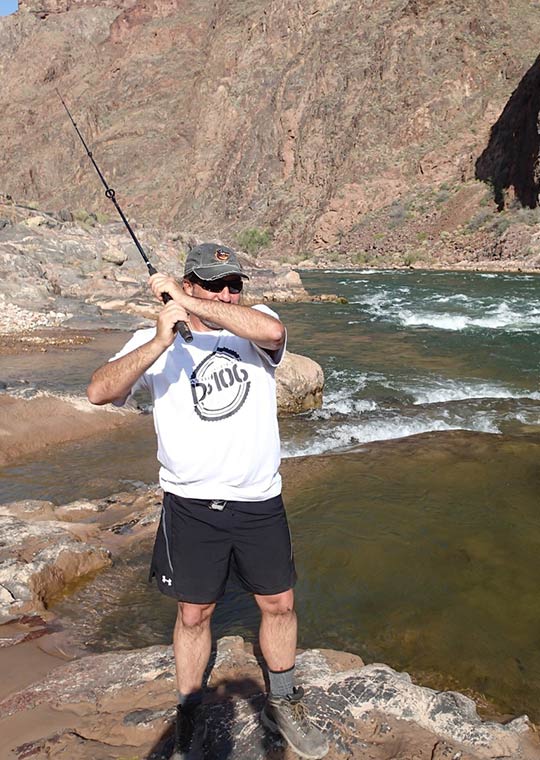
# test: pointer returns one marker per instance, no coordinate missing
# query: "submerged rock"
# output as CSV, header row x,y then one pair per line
x,y
122,704
29,425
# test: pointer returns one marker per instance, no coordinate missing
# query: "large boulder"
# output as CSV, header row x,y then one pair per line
x,y
300,383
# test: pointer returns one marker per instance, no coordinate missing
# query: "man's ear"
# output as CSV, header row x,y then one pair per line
x,y
188,286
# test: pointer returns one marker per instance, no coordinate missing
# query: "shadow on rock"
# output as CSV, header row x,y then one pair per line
x,y
511,158
234,729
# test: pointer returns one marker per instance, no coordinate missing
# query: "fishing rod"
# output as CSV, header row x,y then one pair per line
x,y
180,327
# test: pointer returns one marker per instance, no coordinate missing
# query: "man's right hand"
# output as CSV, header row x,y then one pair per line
x,y
169,315
113,381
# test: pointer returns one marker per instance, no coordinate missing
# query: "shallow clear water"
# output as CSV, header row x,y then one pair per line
x,y
417,537
421,553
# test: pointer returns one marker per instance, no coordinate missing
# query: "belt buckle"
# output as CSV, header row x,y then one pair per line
x,y
218,505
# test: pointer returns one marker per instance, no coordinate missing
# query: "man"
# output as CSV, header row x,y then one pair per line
x,y
218,445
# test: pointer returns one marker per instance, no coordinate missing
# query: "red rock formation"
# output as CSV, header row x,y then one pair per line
x,y
295,116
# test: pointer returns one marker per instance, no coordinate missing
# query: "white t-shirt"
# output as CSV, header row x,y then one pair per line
x,y
215,415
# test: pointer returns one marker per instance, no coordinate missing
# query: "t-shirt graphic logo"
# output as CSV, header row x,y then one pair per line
x,y
219,385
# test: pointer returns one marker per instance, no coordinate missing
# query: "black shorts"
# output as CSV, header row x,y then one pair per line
x,y
197,547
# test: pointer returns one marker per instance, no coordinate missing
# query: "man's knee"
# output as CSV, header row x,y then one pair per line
x,y
276,604
194,615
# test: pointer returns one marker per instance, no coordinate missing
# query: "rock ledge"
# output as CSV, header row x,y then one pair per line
x,y
117,703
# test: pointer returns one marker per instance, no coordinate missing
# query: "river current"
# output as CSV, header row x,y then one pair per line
x,y
414,511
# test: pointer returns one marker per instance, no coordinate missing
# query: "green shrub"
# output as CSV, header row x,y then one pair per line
x,y
397,214
102,218
499,224
81,215
332,255
408,259
253,239
412,257
442,196
84,218
528,216
479,220
363,258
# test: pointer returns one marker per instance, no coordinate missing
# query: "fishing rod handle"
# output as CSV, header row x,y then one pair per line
x,y
179,327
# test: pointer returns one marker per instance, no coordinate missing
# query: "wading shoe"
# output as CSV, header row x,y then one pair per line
x,y
288,716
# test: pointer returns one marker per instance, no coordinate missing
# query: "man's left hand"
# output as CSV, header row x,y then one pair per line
x,y
164,283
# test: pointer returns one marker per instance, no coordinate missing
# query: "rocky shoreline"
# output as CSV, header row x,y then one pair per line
x,y
60,699
57,272
86,275
68,702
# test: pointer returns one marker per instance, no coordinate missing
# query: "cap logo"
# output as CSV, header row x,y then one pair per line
x,y
220,255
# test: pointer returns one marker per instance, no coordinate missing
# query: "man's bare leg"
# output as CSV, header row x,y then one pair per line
x,y
278,630
277,637
192,643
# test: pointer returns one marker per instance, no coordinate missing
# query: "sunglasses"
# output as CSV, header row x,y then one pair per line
x,y
216,286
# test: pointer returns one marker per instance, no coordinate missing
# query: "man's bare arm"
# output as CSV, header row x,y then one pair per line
x,y
114,380
256,326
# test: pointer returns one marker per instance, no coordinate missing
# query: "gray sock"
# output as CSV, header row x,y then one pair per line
x,y
281,682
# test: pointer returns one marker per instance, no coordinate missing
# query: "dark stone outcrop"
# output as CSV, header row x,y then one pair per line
x,y
511,159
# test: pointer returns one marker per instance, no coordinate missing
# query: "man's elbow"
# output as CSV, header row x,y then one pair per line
x,y
95,396
277,336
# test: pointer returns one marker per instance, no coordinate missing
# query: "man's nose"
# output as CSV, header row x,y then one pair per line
x,y
225,295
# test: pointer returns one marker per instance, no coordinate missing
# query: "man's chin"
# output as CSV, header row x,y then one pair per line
x,y
210,325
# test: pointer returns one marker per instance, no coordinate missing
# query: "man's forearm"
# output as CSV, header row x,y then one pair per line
x,y
264,330
114,380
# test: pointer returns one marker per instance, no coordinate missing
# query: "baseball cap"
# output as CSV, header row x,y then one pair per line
x,y
210,261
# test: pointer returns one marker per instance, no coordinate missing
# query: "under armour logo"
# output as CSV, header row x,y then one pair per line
x,y
166,580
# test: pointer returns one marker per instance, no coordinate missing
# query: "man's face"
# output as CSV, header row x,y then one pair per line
x,y
226,289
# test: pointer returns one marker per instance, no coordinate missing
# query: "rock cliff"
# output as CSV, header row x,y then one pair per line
x,y
328,124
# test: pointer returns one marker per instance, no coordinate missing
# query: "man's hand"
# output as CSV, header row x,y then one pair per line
x,y
173,312
167,318
213,311
163,283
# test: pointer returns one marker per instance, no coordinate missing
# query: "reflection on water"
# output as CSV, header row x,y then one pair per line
x,y
421,553
437,563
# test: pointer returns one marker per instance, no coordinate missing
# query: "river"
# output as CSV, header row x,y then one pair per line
x,y
417,529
